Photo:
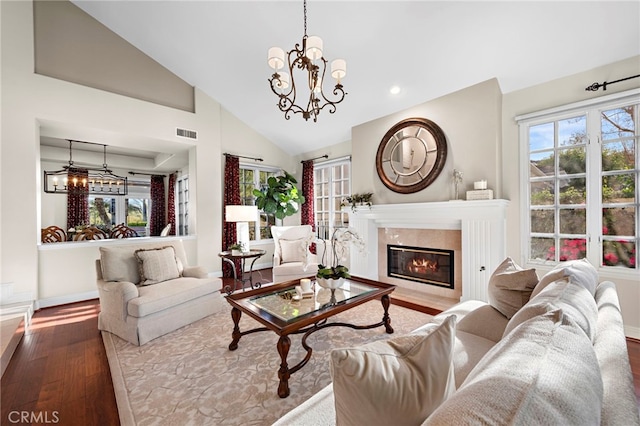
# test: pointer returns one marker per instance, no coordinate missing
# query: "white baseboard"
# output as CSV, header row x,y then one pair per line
x,y
8,297
63,300
633,332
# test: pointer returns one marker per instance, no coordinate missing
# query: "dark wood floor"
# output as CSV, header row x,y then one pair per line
x,y
59,373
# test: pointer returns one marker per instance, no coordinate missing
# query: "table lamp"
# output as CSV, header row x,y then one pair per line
x,y
242,215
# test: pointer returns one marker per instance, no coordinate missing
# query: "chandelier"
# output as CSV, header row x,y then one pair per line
x,y
308,59
72,179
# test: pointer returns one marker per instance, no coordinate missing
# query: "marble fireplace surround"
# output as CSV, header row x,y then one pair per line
x,y
482,235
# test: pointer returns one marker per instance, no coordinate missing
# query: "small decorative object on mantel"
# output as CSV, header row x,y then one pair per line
x,y
457,180
480,191
333,275
357,200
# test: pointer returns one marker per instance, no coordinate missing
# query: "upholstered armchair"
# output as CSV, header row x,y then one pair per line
x,y
291,257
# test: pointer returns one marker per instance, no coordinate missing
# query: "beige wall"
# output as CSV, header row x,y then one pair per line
x,y
65,48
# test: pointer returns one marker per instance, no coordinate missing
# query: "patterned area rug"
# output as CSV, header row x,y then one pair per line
x,y
190,377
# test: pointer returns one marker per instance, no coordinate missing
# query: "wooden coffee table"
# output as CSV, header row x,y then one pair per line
x,y
274,307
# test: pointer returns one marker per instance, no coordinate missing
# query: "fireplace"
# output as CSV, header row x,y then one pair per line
x,y
424,265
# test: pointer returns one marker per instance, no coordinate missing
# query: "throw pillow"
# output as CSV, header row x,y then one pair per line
x,y
579,272
510,287
119,264
575,301
293,250
157,265
397,381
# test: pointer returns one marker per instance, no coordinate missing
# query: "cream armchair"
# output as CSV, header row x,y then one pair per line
x,y
291,256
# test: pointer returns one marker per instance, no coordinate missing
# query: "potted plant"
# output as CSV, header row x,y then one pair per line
x,y
236,249
356,200
332,275
279,196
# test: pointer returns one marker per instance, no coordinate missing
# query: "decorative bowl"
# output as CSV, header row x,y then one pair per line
x,y
331,283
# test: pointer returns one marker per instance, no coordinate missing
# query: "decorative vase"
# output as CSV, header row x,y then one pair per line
x,y
236,252
331,283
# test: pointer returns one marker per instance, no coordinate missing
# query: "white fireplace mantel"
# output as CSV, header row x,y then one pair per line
x,y
482,224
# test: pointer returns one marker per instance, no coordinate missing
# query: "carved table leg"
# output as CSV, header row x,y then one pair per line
x,y
235,315
385,318
284,343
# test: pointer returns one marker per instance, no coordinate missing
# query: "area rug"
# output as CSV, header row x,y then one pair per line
x,y
190,377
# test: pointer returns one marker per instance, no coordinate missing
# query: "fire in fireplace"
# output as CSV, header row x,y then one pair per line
x,y
424,265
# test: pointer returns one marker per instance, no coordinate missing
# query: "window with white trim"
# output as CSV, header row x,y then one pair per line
x,y
132,210
182,205
581,167
332,183
255,177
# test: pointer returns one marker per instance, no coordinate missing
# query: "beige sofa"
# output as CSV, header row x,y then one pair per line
x,y
139,308
559,359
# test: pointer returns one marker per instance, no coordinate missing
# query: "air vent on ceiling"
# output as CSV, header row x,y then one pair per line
x,y
184,133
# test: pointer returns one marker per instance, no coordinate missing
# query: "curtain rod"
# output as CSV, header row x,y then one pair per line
x,y
317,158
595,86
147,174
242,156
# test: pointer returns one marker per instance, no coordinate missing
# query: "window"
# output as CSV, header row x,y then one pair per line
x,y
332,183
583,167
182,197
132,210
254,177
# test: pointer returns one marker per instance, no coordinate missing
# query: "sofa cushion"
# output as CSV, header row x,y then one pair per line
x,y
157,265
579,272
574,300
468,350
293,250
168,294
485,321
396,381
544,372
510,287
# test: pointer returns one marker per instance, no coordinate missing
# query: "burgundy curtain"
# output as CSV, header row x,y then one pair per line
x,y
77,198
171,203
231,198
157,219
306,212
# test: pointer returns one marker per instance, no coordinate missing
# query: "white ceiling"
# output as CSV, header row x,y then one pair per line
x,y
428,48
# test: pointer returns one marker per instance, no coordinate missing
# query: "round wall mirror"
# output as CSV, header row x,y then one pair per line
x,y
411,155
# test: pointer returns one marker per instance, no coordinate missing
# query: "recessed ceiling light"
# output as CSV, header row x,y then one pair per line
x,y
394,90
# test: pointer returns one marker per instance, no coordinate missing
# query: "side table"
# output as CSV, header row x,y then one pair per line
x,y
230,258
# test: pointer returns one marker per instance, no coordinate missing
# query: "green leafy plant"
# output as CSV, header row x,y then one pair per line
x,y
279,196
235,246
340,240
356,200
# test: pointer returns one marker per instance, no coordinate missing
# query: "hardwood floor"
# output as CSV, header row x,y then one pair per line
x,y
60,374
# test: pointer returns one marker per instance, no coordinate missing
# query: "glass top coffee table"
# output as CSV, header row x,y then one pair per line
x,y
278,310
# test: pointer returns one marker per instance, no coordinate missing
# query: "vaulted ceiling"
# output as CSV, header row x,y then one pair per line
x,y
426,48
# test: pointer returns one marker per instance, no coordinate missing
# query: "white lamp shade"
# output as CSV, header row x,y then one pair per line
x,y
338,69
283,82
241,213
275,58
314,48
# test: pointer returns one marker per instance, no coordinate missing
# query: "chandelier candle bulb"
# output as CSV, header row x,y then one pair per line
x,y
283,83
276,58
338,69
314,48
